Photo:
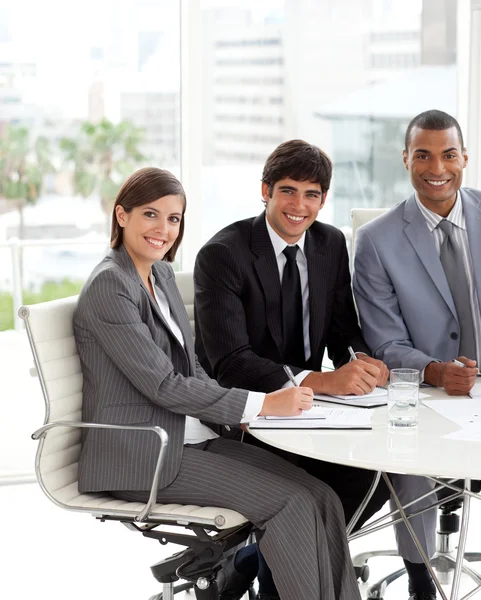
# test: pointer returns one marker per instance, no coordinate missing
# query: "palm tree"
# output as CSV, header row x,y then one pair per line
x,y
102,156
23,165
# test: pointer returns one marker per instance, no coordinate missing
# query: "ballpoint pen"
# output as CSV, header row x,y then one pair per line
x,y
458,363
290,374
352,353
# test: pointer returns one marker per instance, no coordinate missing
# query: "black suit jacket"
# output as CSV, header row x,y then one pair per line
x,y
238,315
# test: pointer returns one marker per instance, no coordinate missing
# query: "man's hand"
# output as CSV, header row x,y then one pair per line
x,y
456,380
383,370
357,377
288,402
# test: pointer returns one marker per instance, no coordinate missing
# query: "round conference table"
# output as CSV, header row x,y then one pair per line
x,y
419,450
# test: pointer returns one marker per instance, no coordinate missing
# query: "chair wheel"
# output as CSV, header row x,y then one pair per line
x,y
362,573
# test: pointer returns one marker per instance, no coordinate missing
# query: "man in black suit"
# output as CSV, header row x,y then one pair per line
x,y
275,290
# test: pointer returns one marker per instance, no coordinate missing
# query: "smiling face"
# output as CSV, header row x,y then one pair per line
x,y
292,207
149,231
435,161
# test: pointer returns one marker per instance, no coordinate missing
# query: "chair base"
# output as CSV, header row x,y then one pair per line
x,y
170,590
198,563
443,563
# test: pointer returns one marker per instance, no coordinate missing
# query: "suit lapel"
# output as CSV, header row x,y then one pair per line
x,y
472,213
122,257
422,241
316,268
167,285
268,273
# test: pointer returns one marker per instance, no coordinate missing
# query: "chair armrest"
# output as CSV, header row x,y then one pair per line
x,y
164,438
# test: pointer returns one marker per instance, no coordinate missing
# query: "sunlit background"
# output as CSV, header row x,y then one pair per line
x,y
92,90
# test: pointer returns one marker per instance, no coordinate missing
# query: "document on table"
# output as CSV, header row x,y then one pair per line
x,y
318,417
465,412
378,397
476,390
468,434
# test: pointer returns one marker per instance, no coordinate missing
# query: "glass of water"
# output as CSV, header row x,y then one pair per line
x,y
403,398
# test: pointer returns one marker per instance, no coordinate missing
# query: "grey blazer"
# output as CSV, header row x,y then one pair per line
x,y
406,309
136,372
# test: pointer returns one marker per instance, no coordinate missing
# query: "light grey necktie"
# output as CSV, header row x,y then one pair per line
x,y
453,265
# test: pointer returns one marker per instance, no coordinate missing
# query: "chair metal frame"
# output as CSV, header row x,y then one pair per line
x,y
212,541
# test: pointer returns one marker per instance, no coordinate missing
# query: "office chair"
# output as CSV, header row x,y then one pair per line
x,y
213,532
185,283
444,558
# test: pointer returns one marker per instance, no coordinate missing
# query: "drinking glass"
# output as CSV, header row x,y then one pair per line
x,y
403,398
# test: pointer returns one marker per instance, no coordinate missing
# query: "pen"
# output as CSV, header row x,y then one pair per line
x,y
351,352
290,374
458,363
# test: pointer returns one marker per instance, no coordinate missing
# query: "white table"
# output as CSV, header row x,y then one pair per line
x,y
421,450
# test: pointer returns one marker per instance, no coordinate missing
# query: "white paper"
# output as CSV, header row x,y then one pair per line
x,y
316,412
465,412
476,390
319,417
377,392
470,434
366,401
359,401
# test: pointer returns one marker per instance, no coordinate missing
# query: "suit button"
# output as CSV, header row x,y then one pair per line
x,y
453,335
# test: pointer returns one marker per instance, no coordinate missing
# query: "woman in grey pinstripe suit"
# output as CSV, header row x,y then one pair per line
x,y
139,367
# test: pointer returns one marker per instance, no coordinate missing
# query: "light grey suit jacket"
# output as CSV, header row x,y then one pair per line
x,y
406,309
136,372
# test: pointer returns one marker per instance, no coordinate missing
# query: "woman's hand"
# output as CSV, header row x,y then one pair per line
x,y
288,402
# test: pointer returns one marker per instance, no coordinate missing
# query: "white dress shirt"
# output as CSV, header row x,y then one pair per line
x,y
195,431
458,219
279,244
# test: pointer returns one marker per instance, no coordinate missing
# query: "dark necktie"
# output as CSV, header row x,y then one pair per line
x,y
292,318
454,269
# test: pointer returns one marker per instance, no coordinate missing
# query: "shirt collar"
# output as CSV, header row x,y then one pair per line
x,y
456,216
279,244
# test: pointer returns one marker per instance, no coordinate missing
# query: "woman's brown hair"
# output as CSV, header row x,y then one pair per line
x,y
144,186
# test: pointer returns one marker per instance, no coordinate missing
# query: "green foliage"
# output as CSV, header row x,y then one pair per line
x,y
23,164
50,290
102,156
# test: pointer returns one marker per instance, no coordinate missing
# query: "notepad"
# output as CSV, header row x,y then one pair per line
x,y
378,397
318,417
476,390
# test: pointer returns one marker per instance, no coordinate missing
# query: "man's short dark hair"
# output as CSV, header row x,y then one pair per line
x,y
435,120
300,161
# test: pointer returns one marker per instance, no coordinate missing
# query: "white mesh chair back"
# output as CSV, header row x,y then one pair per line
x,y
49,328
50,333
360,216
185,283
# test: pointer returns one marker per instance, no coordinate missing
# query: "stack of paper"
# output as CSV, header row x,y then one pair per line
x,y
378,397
318,417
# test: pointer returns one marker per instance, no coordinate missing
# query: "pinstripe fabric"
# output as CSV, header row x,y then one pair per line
x,y
460,234
238,304
301,518
137,372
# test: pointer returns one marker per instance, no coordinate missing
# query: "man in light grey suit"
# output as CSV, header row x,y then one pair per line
x,y
417,268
